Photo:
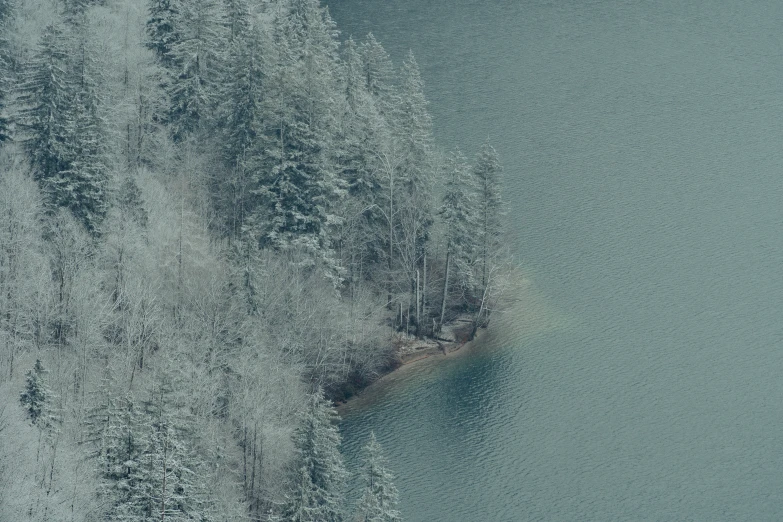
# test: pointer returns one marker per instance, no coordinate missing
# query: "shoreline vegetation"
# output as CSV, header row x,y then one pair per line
x,y
410,351
218,217
454,336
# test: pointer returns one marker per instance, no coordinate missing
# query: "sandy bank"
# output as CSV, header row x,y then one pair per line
x,y
452,342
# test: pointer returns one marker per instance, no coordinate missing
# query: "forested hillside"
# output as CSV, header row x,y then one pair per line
x,y
217,217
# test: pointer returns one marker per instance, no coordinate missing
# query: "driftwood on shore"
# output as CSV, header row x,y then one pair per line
x,y
450,338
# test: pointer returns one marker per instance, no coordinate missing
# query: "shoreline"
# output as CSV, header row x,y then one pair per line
x,y
530,311
414,351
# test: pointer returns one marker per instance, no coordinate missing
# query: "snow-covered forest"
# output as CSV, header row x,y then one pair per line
x,y
217,218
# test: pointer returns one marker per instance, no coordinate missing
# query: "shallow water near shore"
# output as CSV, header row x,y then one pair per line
x,y
642,145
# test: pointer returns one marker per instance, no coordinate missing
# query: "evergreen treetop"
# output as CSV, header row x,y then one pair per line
x,y
379,500
317,492
35,396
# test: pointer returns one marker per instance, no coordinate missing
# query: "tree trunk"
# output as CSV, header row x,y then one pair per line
x,y
445,287
424,291
163,493
418,306
391,234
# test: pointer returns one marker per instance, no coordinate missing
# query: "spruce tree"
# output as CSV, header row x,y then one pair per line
x,y
412,179
237,17
131,204
47,97
295,184
85,182
317,489
487,172
35,396
379,500
242,96
413,128
378,73
119,457
361,131
98,417
6,22
359,135
7,8
197,55
457,215
147,472
161,31
242,117
64,132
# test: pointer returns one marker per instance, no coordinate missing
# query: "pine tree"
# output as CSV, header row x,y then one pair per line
x,y
64,132
378,73
359,136
6,22
161,31
457,215
147,472
35,396
238,17
197,55
295,184
380,497
487,172
317,491
241,113
85,183
131,204
47,97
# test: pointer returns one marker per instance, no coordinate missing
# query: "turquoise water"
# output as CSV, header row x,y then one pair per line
x,y
639,377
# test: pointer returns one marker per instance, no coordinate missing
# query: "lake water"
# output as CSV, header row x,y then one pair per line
x,y
640,374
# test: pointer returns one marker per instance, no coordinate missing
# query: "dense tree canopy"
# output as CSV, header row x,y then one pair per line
x,y
215,219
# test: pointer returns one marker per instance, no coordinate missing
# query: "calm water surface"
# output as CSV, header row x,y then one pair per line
x,y
640,375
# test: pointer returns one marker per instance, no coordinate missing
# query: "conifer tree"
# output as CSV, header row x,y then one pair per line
x,y
378,72
131,204
241,115
457,214
362,129
237,17
162,32
74,11
413,127
98,417
147,472
118,458
197,55
358,137
35,396
64,132
242,94
7,8
317,490
487,172
379,500
47,96
295,184
413,174
6,22
85,182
